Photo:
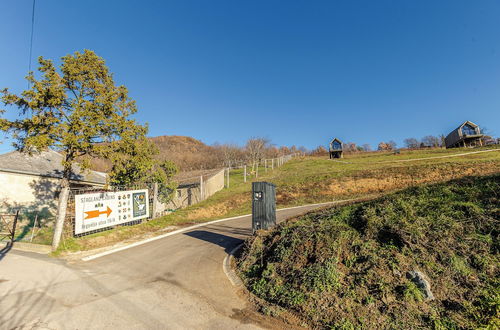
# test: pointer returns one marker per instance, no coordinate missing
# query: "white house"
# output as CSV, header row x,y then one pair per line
x,y
32,182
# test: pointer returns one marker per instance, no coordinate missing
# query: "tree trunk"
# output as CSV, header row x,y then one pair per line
x,y
155,199
61,213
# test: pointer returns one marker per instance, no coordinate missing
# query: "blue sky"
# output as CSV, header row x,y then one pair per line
x,y
297,72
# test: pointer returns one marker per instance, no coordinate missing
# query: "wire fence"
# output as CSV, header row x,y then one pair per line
x,y
251,170
36,223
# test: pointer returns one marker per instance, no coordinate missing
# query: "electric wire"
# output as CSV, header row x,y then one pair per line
x,y
31,39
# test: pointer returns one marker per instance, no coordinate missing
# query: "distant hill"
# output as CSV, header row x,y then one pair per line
x,y
187,152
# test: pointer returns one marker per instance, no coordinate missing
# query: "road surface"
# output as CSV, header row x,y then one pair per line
x,y
176,282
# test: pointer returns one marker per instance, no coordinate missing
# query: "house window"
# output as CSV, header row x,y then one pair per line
x,y
468,130
336,145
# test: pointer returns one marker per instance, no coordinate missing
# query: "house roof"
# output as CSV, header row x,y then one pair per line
x,y
335,139
467,122
46,163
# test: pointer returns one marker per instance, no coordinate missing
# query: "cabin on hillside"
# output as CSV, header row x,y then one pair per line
x,y
336,147
466,135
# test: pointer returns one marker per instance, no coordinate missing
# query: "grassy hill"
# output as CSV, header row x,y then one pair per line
x,y
316,179
347,267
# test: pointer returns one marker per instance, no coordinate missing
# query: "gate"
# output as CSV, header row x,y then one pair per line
x,y
8,223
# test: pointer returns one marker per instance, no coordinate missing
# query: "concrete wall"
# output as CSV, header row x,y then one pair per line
x,y
189,195
31,195
27,191
213,184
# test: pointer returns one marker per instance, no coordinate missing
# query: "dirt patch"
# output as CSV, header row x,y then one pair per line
x,y
376,181
218,209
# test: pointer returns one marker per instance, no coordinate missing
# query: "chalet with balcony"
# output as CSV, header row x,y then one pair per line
x,y
466,135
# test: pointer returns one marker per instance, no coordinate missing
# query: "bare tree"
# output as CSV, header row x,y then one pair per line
x,y
442,142
367,147
431,141
231,154
391,145
350,147
284,150
319,151
411,143
271,151
255,148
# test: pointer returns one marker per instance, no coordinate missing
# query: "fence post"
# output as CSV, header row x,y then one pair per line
x,y
265,165
155,199
14,225
201,188
33,229
244,173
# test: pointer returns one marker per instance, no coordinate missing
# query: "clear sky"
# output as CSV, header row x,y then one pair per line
x,y
297,72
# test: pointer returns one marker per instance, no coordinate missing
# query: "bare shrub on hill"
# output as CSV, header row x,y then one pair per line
x,y
319,151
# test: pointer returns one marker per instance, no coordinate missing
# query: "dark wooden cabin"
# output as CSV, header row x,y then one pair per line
x,y
336,147
466,135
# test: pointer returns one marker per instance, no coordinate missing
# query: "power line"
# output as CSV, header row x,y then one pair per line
x,y
31,39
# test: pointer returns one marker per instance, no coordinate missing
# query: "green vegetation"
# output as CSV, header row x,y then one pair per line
x,y
79,111
310,180
346,267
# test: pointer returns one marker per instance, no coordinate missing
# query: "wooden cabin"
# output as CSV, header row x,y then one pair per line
x,y
336,148
466,135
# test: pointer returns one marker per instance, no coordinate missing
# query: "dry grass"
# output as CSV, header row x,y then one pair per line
x,y
346,267
310,180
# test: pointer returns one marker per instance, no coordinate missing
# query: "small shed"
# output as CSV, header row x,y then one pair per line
x,y
336,148
466,135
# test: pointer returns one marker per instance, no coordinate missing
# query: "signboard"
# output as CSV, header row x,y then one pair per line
x,y
105,209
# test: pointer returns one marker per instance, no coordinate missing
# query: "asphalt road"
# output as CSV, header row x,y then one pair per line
x,y
176,282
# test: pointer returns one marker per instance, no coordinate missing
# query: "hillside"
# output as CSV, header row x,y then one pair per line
x,y
186,152
318,179
350,267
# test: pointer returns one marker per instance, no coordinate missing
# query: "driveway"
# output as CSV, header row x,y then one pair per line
x,y
176,282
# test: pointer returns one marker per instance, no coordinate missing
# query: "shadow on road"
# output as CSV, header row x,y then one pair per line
x,y
5,250
227,242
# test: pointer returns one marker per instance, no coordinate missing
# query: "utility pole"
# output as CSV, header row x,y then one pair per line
x,y
227,177
265,165
244,173
201,188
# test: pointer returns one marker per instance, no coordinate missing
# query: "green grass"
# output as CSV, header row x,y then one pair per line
x,y
348,264
309,180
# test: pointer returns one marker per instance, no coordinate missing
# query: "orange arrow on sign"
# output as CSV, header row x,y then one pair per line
x,y
96,213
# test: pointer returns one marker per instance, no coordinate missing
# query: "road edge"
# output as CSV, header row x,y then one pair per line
x,y
228,270
182,230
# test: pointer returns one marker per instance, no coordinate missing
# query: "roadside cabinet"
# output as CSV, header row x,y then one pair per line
x,y
263,205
